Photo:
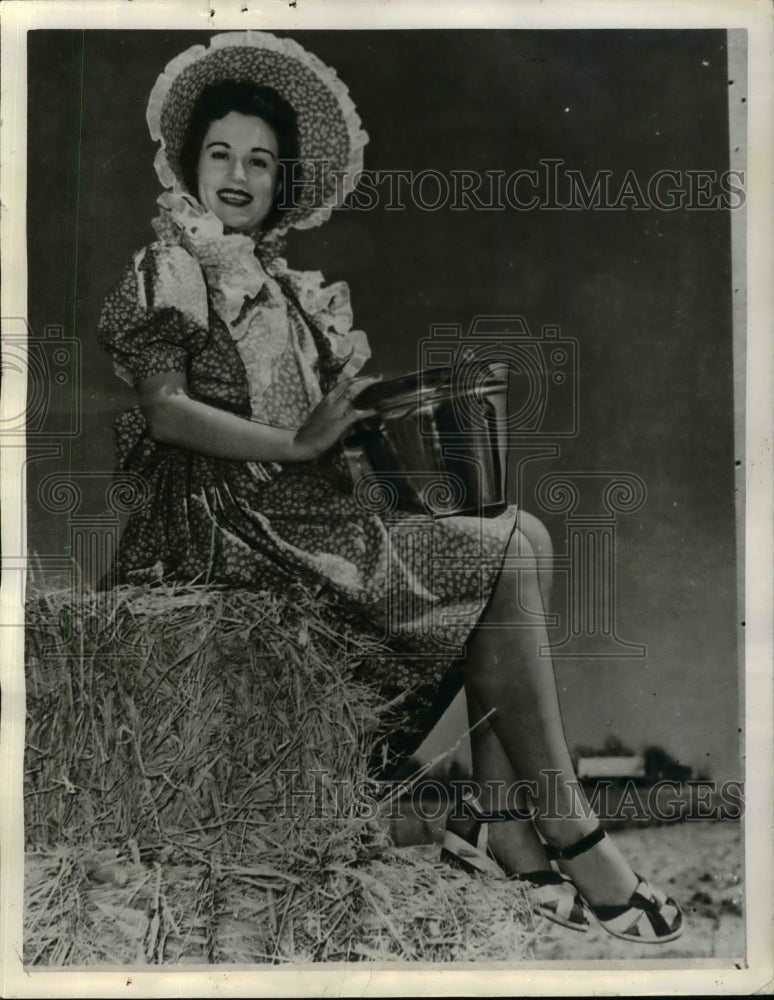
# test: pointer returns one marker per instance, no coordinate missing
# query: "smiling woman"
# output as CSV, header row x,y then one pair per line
x,y
244,374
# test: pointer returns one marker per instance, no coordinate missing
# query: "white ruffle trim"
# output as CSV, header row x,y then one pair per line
x,y
234,273
292,50
330,308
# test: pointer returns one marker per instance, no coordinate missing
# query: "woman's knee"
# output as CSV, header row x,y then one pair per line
x,y
534,531
519,589
520,579
520,549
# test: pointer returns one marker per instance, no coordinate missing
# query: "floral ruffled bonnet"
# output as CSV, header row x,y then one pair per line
x,y
329,129
239,266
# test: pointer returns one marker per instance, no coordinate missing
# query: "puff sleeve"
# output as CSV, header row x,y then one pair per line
x,y
156,318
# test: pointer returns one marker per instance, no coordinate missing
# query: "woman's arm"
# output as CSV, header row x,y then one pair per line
x,y
174,418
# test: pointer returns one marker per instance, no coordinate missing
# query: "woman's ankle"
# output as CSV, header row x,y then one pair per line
x,y
517,848
602,875
588,856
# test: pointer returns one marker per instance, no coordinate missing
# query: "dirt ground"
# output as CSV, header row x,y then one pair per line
x,y
699,863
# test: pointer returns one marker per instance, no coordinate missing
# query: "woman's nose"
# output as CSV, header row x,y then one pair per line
x,y
238,170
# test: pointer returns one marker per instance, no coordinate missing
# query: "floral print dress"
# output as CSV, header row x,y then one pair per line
x,y
262,341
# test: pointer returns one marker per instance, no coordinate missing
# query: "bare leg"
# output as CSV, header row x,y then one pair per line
x,y
505,671
515,844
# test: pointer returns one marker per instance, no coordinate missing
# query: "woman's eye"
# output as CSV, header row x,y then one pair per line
x,y
219,154
258,162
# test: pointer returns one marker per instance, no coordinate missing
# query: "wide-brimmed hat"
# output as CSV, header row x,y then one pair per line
x,y
330,136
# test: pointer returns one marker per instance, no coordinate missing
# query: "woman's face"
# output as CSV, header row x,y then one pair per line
x,y
237,172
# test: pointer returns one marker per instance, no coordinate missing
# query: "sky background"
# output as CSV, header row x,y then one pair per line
x,y
646,295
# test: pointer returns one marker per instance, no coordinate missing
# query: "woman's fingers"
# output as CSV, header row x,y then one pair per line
x,y
340,398
351,387
352,413
358,384
336,411
352,416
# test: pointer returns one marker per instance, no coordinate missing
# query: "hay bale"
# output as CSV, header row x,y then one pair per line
x,y
83,910
168,730
168,718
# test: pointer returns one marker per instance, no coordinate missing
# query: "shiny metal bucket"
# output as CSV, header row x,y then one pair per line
x,y
437,445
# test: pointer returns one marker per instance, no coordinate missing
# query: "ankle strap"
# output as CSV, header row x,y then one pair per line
x,y
573,850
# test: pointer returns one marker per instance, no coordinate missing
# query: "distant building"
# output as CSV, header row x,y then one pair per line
x,y
613,767
652,765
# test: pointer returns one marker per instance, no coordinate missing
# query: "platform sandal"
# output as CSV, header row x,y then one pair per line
x,y
649,917
549,893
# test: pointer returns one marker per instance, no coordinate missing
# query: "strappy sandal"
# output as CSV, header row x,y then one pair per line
x,y
550,894
649,917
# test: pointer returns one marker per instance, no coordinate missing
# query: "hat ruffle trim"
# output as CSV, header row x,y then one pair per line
x,y
358,138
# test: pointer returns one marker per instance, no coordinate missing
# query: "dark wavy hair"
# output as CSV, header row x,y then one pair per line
x,y
219,99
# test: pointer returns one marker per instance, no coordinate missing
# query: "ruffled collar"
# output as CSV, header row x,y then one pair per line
x,y
237,265
249,286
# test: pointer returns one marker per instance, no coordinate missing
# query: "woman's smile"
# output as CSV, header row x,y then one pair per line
x,y
237,172
232,197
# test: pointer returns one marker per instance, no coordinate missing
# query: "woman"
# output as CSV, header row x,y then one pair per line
x,y
245,376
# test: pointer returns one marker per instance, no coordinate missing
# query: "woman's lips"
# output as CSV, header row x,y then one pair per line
x,y
236,199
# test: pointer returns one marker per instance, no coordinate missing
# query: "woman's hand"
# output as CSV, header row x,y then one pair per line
x,y
332,416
